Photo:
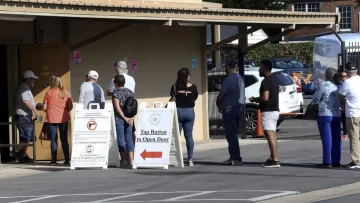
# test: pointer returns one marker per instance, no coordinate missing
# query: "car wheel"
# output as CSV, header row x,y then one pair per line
x,y
251,120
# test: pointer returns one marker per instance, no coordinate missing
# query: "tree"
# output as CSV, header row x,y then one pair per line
x,y
252,4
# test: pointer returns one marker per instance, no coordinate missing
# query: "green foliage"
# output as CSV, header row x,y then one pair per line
x,y
252,4
301,51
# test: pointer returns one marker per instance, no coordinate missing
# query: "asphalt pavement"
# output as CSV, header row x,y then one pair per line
x,y
207,181
298,179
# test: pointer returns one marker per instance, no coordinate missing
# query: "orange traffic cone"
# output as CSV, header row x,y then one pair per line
x,y
259,131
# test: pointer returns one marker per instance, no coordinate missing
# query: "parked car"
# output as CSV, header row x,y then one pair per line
x,y
290,96
292,65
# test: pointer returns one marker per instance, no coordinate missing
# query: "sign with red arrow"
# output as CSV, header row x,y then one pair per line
x,y
151,155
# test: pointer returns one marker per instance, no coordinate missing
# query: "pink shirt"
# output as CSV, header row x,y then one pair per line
x,y
56,110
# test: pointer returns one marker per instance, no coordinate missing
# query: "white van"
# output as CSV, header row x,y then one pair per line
x,y
327,53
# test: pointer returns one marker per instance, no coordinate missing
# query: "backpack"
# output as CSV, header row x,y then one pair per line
x,y
131,107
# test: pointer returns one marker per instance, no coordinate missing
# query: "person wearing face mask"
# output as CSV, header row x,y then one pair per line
x,y
269,107
24,109
230,102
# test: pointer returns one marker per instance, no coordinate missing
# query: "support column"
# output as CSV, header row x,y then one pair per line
x,y
242,45
217,39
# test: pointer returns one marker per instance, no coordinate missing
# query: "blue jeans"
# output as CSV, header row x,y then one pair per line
x,y
186,118
330,132
52,133
26,131
231,119
124,133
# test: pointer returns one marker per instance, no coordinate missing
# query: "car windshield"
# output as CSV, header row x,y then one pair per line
x,y
289,63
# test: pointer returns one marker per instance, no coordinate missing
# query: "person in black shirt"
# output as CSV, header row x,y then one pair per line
x,y
269,107
186,95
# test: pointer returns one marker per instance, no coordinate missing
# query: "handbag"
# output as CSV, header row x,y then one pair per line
x,y
43,133
312,111
173,96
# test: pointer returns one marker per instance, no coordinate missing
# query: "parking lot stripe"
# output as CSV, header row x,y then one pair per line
x,y
186,196
119,197
271,196
35,199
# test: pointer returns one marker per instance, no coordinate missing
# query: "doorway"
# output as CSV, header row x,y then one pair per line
x,y
4,108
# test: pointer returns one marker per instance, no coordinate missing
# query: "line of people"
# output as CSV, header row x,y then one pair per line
x,y
330,97
58,103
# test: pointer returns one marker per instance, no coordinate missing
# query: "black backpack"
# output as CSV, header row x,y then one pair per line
x,y
131,107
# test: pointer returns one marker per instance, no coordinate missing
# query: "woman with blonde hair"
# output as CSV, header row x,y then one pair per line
x,y
57,104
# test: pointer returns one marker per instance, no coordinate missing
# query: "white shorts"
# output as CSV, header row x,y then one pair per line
x,y
269,120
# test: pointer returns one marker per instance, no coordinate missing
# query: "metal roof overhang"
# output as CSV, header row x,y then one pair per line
x,y
212,16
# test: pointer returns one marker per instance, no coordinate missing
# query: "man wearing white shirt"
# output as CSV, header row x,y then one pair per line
x,y
351,93
120,68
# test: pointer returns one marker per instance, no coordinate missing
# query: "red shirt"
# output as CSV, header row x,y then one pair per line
x,y
56,110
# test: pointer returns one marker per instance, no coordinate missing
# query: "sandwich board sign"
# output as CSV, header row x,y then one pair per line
x,y
91,138
158,143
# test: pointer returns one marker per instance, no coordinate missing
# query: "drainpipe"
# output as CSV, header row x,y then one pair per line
x,y
343,53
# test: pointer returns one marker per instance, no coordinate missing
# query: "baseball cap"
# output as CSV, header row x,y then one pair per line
x,y
93,74
231,63
30,74
120,64
351,66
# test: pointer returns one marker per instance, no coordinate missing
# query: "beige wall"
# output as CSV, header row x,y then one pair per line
x,y
159,50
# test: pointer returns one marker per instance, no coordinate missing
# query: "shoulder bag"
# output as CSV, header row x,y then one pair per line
x,y
312,111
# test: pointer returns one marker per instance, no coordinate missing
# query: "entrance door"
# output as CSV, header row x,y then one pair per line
x,y
4,110
45,60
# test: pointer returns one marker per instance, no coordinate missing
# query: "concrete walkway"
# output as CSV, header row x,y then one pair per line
x,y
18,170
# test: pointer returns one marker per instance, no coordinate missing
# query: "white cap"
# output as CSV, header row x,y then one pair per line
x,y
93,74
30,74
120,64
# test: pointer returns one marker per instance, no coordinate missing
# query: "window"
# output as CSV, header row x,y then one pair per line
x,y
284,80
307,7
300,7
250,80
315,7
345,12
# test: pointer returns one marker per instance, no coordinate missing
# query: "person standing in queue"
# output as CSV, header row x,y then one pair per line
x,y
186,95
349,91
329,119
91,92
269,107
342,76
120,68
57,105
24,110
230,102
124,125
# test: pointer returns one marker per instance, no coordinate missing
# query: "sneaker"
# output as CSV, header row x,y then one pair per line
x,y
53,163
17,156
232,162
190,163
344,137
336,165
27,159
271,164
324,166
352,165
66,163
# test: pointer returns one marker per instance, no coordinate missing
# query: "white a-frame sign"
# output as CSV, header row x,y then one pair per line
x,y
158,143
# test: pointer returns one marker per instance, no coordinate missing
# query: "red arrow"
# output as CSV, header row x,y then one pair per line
x,y
153,155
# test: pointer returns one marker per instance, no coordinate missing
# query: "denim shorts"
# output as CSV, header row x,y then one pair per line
x,y
26,130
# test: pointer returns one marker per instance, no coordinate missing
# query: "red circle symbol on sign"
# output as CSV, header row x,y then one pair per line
x,y
91,125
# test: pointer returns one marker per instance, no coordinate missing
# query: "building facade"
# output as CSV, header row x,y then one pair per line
x,y
348,9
